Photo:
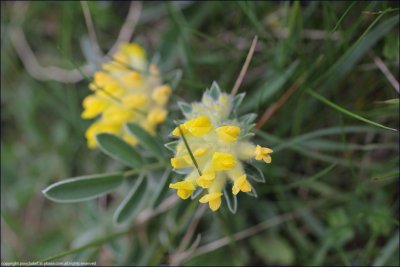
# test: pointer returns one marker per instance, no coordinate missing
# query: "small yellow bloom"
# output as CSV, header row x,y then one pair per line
x,y
157,116
93,106
135,100
123,91
241,184
213,199
118,115
262,153
185,189
161,94
199,126
200,151
228,133
223,161
180,162
206,179
177,132
132,79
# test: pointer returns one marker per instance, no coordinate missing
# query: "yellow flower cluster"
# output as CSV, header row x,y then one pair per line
x,y
127,89
218,149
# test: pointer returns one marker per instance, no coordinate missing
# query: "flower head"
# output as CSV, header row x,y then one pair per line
x,y
126,89
218,143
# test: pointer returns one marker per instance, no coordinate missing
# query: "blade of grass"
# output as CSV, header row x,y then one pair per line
x,y
345,111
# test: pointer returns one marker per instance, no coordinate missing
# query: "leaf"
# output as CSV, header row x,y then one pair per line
x,y
171,146
345,111
196,193
184,107
215,91
253,192
146,140
162,188
119,150
237,101
254,173
231,201
83,188
132,203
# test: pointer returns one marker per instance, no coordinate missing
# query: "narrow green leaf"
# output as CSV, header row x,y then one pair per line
x,y
388,250
171,146
132,203
345,111
83,187
118,149
253,192
184,107
231,201
254,173
196,193
162,188
237,101
215,91
146,140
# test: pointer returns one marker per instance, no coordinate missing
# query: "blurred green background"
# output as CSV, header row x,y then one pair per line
x,y
331,195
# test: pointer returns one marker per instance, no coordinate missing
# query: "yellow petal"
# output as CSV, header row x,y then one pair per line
x,y
132,79
241,184
161,94
135,101
213,199
179,163
199,126
184,189
176,131
206,179
93,106
228,133
157,116
118,115
223,161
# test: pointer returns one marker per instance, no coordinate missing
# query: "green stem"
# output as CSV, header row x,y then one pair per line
x,y
189,150
149,167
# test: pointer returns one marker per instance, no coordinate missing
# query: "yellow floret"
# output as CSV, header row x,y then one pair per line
x,y
262,153
184,189
199,126
241,184
161,94
93,106
213,199
223,161
228,133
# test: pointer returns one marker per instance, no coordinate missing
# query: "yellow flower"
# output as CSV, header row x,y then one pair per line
x,y
241,184
228,133
126,89
212,137
206,179
93,106
223,161
214,200
157,116
135,101
199,126
262,153
180,162
184,189
161,94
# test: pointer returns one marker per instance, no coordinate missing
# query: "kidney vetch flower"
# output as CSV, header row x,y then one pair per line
x,y
213,147
126,89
